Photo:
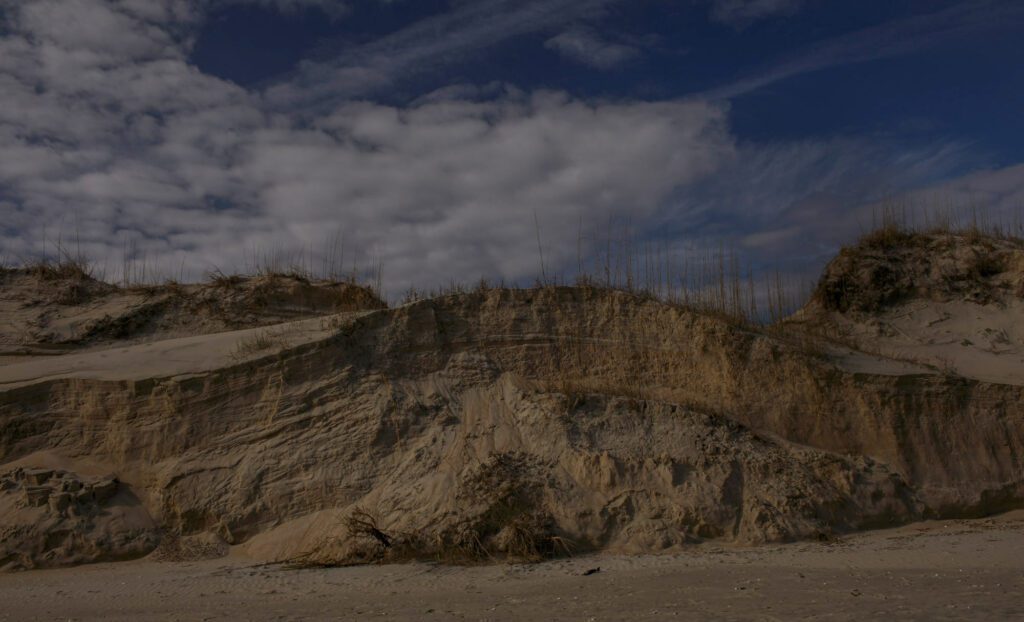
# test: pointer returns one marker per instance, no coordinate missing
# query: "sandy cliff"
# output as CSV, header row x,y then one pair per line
x,y
522,422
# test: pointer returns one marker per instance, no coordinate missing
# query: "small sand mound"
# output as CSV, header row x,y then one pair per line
x,y
64,309
51,518
229,303
48,284
890,267
951,301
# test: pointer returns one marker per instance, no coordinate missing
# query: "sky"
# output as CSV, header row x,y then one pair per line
x,y
453,140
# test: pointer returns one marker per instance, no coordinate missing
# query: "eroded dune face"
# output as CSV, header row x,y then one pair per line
x,y
53,309
280,452
517,422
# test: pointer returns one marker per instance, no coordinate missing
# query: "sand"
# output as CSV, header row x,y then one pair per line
x,y
182,356
984,343
941,570
51,313
676,427
253,424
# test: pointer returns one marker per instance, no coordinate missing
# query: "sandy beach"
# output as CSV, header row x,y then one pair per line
x,y
936,570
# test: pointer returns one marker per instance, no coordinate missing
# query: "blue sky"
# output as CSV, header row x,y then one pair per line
x,y
430,132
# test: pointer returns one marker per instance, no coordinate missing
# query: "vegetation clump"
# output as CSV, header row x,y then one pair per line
x,y
870,295
896,262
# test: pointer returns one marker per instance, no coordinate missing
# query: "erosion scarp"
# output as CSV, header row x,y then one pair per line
x,y
517,423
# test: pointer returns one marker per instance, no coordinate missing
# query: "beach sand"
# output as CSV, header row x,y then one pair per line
x,y
936,570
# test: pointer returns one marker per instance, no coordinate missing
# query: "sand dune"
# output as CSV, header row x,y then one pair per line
x,y
506,423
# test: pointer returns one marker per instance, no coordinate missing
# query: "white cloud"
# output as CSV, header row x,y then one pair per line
x,y
103,138
428,43
451,187
584,45
129,139
98,32
791,206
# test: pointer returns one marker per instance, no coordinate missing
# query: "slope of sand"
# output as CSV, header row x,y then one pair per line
x,y
57,309
504,423
949,570
982,342
951,302
168,358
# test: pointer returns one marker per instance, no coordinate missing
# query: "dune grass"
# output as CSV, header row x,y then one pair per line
x,y
258,342
708,278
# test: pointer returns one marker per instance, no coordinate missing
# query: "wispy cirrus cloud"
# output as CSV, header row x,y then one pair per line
x,y
886,40
742,12
769,189
586,46
114,139
430,43
108,131
332,8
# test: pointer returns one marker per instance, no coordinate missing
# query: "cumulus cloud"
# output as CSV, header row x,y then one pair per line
x,y
586,46
453,185
128,139
106,137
